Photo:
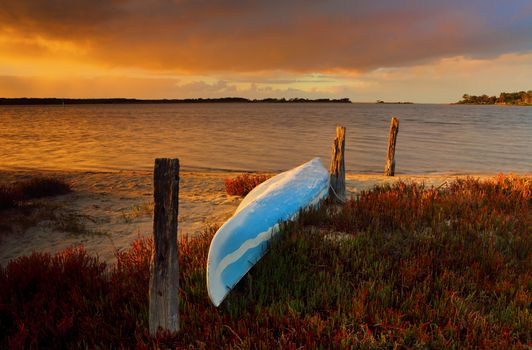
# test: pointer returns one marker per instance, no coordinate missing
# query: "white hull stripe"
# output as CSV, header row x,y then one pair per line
x,y
260,238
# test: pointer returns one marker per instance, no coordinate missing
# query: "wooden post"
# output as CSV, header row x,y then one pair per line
x,y
164,270
337,169
389,168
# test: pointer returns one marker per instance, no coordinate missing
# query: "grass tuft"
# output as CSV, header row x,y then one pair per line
x,y
243,184
42,187
38,187
8,197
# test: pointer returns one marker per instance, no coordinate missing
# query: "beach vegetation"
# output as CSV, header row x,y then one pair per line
x,y
505,98
137,211
73,223
8,197
398,266
37,187
241,185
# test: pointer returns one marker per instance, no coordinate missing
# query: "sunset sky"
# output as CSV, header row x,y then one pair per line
x,y
420,51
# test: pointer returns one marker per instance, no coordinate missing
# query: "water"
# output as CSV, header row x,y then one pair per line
x,y
265,137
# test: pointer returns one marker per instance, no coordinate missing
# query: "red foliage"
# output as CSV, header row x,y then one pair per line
x,y
243,184
44,299
422,268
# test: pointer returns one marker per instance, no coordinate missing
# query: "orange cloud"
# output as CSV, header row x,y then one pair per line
x,y
185,48
442,81
243,36
101,87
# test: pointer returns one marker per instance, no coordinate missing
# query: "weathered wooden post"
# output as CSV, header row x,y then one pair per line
x,y
164,277
337,169
389,168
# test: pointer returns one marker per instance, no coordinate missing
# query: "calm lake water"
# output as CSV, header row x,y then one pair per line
x,y
265,137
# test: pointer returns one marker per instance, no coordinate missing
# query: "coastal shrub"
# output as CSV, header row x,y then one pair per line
x,y
11,194
243,184
8,197
38,187
70,300
399,266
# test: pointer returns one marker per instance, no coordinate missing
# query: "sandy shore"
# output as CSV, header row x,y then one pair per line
x,y
109,210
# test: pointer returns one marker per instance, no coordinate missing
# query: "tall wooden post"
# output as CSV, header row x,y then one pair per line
x,y
164,277
389,168
337,169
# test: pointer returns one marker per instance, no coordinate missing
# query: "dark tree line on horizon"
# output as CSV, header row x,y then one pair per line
x,y
69,101
505,98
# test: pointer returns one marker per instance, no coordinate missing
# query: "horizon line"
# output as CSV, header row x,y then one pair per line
x,y
227,99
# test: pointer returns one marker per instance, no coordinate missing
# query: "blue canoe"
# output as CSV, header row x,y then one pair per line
x,y
244,238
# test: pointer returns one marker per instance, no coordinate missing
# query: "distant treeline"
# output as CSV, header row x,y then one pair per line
x,y
505,98
74,101
395,103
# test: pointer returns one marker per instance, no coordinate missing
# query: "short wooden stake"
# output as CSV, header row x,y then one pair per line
x,y
164,270
389,168
337,169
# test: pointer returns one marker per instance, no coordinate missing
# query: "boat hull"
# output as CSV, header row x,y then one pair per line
x,y
244,238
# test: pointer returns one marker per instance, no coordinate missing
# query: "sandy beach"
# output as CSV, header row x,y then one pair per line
x,y
108,210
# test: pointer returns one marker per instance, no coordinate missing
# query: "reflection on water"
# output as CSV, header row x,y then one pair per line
x,y
432,138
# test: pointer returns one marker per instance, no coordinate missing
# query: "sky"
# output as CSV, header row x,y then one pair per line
x,y
395,50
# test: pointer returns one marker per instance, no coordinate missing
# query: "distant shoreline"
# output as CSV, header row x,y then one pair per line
x,y
521,98
394,103
81,101
492,104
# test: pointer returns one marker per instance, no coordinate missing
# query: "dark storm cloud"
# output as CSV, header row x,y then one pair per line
x,y
250,36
